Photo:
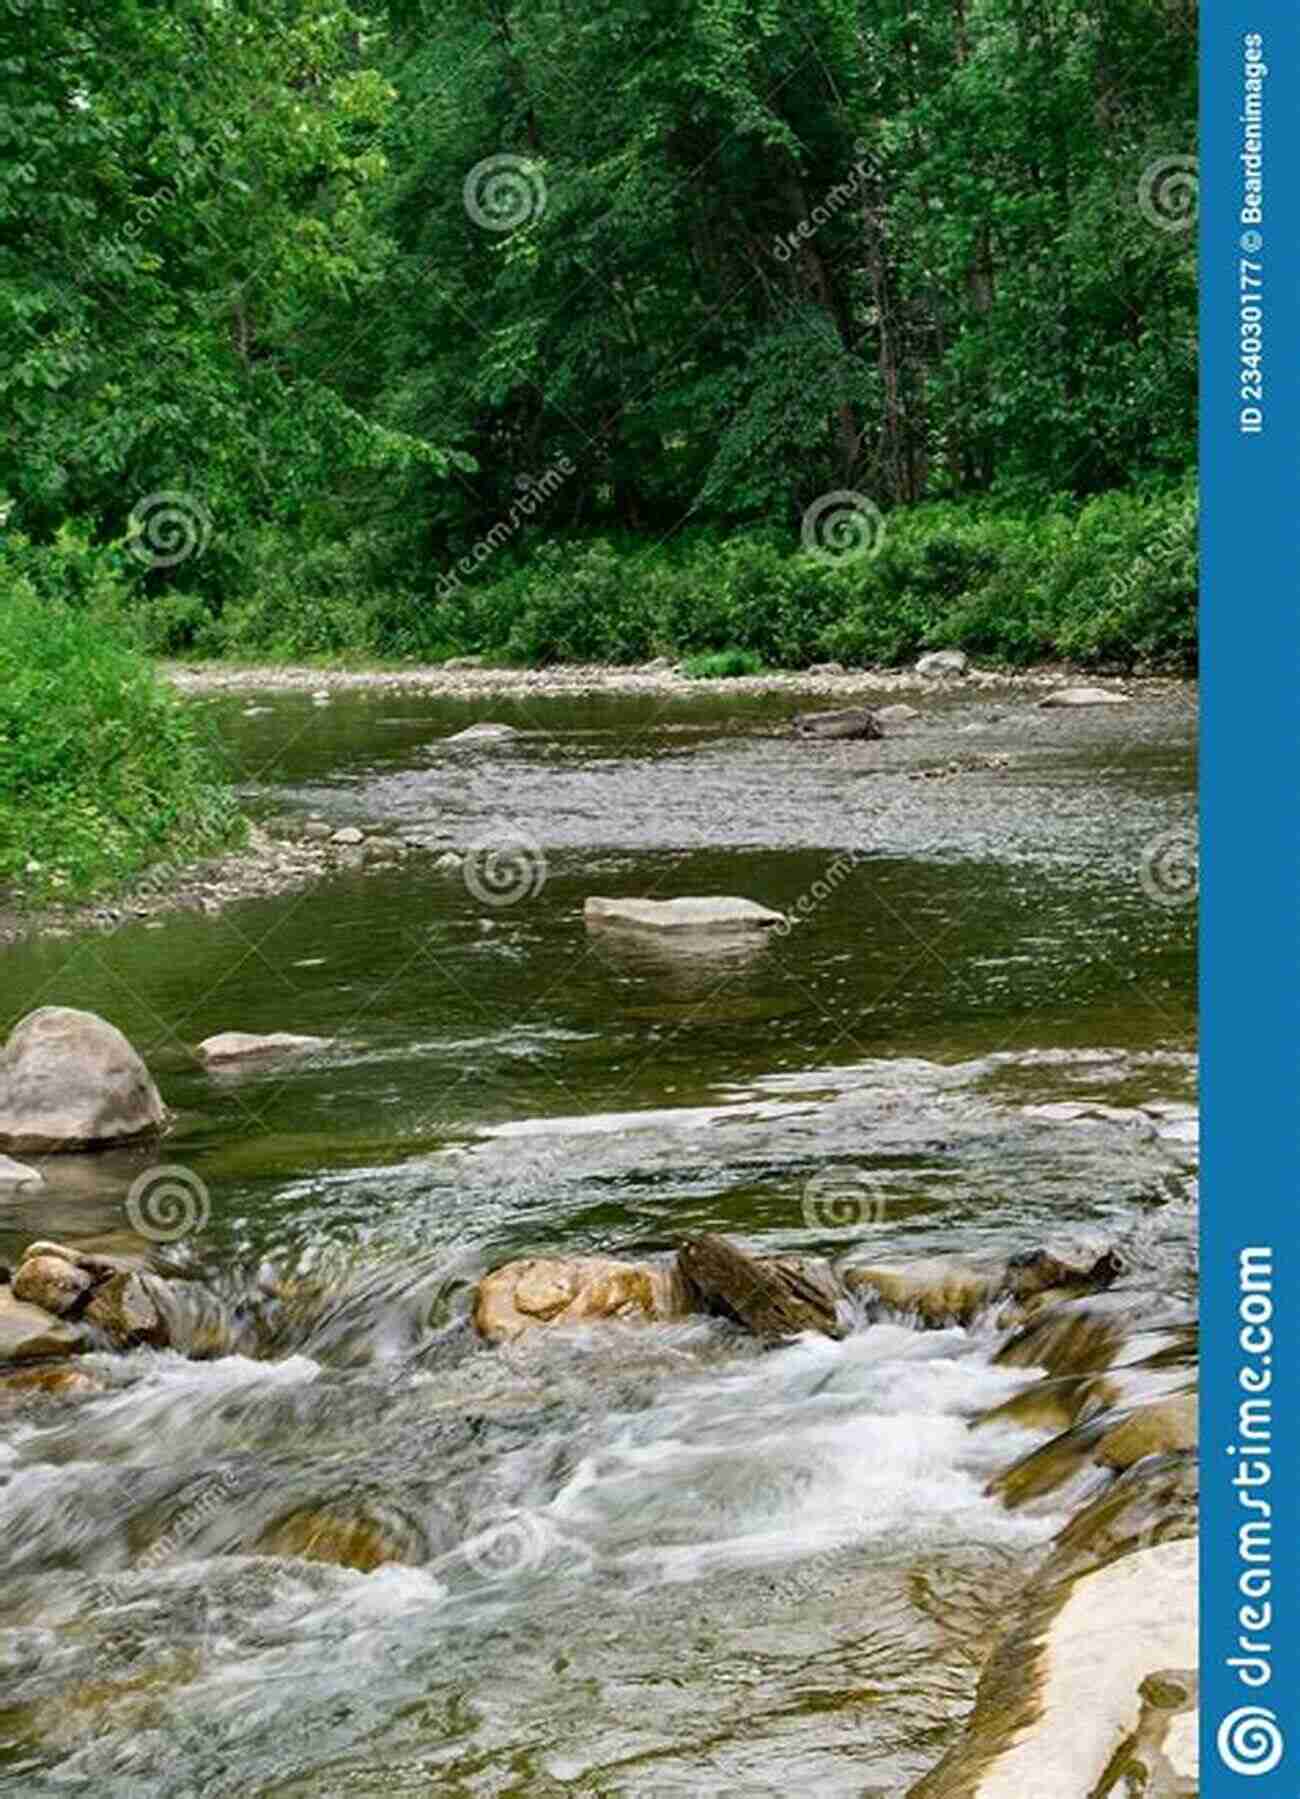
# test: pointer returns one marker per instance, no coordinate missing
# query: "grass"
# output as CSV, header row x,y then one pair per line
x,y
104,771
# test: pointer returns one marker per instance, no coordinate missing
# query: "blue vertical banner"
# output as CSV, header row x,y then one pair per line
x,y
1250,897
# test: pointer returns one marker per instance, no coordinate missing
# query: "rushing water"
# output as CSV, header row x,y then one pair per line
x,y
632,1561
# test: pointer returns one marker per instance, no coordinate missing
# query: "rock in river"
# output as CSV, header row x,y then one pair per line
x,y
1084,696
27,1333
712,914
853,722
69,1080
52,1283
775,1297
244,1046
1070,1695
18,1174
575,1290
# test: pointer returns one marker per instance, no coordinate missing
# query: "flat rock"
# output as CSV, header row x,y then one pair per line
x,y
897,715
28,1333
1072,1682
942,662
1084,696
847,724
18,1174
69,1080
348,836
487,732
545,1290
712,914
244,1046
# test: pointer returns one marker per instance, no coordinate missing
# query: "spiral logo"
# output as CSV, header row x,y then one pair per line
x,y
167,1203
167,528
503,192
510,1543
1171,869
1169,193
504,866
842,1199
1249,1741
843,527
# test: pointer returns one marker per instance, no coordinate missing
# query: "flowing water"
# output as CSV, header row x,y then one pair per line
x,y
629,1561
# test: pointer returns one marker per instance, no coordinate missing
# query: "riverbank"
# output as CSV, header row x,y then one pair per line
x,y
462,678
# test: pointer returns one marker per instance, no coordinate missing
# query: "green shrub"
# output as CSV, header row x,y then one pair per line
x,y
722,665
103,770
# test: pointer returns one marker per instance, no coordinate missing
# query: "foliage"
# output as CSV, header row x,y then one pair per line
x,y
103,770
722,665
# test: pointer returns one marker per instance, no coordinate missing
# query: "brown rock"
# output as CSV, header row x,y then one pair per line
x,y
576,1290
64,1382
51,1282
124,1310
28,1333
774,1298
1162,1426
347,1536
850,723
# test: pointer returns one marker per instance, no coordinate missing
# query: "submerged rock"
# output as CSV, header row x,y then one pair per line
x,y
69,1080
487,732
939,1292
350,1535
856,722
575,1290
244,1046
776,1297
1109,1442
712,914
1067,1700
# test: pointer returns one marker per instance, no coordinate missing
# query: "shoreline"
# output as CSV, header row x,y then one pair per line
x,y
454,680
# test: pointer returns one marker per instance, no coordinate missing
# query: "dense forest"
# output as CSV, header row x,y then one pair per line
x,y
805,327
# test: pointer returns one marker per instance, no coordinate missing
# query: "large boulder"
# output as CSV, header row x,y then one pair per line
x,y
575,1290
69,1080
712,914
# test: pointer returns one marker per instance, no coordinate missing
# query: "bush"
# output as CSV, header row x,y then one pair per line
x,y
722,665
103,770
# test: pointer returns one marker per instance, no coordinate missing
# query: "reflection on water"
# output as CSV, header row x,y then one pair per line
x,y
619,1561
